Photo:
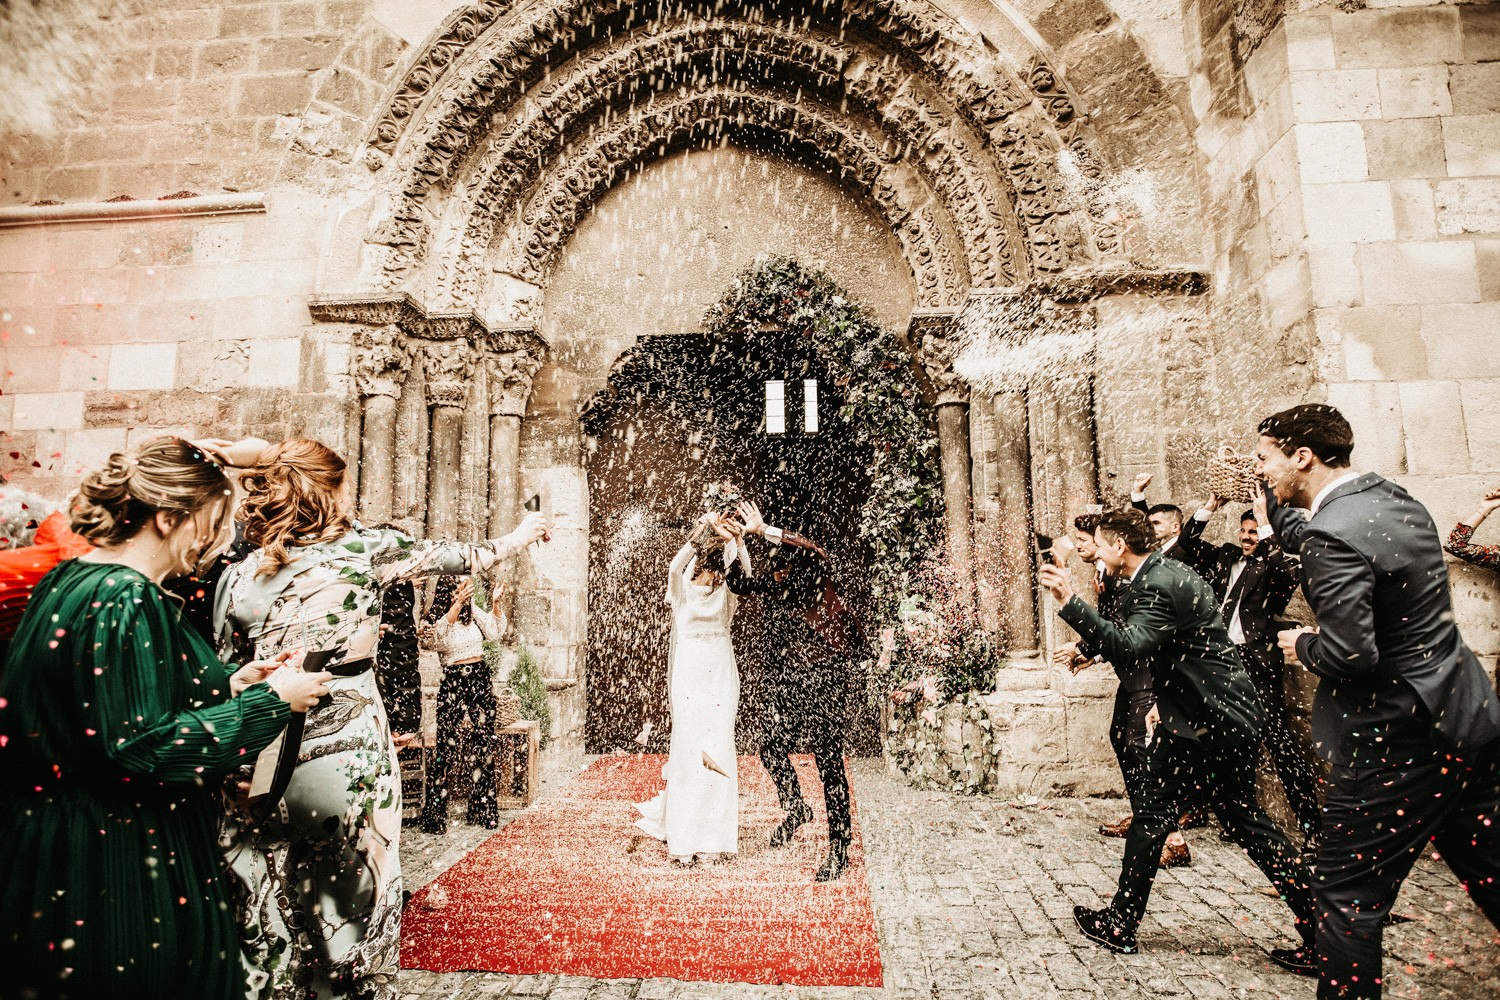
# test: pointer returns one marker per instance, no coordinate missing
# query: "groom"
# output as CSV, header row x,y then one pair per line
x,y
815,638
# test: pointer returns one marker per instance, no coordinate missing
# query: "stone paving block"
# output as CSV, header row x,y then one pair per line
x,y
1348,213
1457,335
1435,444
1309,41
1335,95
1331,152
1404,148
1468,206
1481,32
1419,272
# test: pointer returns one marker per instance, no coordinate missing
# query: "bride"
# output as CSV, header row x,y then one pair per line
x,y
697,814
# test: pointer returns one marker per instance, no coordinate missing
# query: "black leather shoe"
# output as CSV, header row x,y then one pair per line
x,y
1099,926
1303,961
833,866
787,828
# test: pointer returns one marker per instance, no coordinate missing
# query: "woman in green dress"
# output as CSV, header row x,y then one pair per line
x,y
317,873
116,724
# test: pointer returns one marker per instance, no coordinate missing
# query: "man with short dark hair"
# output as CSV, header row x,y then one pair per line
x,y
1254,579
1202,730
1133,697
1178,539
1404,711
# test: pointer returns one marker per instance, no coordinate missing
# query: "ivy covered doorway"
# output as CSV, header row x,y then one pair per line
x,y
681,413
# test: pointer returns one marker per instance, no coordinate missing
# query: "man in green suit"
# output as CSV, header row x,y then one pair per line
x,y
1202,735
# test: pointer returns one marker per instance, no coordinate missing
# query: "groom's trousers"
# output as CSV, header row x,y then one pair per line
x,y
808,708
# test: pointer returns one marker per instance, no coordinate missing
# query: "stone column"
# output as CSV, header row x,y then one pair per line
x,y
1013,536
381,362
447,369
933,330
510,373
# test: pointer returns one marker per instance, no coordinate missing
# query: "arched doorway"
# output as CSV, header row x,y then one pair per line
x,y
682,412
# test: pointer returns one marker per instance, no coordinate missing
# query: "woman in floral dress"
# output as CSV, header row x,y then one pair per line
x,y
314,854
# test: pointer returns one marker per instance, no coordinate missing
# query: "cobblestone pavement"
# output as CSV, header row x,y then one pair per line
x,y
974,899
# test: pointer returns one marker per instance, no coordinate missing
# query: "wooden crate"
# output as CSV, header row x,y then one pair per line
x,y
516,764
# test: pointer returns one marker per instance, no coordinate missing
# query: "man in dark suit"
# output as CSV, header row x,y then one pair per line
x,y
1176,538
1133,697
1403,710
815,641
1201,731
1253,579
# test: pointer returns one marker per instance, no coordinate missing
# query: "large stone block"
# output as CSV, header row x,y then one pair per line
x,y
1309,41
1277,174
1286,231
1432,272
47,411
1433,416
143,366
1481,32
1288,291
1335,275
1412,206
1468,206
1336,95
1481,403
1348,213
1373,409
1461,339
1380,343
1397,37
1487,254
1415,92
1405,147
1472,145
76,453
1331,152
1475,89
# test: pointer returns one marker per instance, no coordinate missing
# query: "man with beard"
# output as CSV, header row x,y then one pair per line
x,y
815,639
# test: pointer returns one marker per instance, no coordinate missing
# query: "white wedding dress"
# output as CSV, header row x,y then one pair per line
x,y
698,812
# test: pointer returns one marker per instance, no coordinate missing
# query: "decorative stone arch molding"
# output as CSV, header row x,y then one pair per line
x,y
468,120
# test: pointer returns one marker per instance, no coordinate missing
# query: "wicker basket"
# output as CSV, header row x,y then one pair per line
x,y
509,710
1232,476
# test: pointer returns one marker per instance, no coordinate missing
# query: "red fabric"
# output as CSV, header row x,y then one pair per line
x,y
557,892
21,569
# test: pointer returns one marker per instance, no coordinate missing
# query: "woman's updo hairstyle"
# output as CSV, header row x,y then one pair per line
x,y
709,550
292,499
163,475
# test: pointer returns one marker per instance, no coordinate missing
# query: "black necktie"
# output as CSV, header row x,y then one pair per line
x,y
1233,597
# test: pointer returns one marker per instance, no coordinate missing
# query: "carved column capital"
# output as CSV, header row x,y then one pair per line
x,y
381,361
446,365
935,334
510,374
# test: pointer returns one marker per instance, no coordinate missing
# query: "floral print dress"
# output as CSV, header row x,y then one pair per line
x,y
317,877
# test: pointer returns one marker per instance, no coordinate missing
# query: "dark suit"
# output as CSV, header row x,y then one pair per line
x,y
1259,593
1210,716
808,680
1405,713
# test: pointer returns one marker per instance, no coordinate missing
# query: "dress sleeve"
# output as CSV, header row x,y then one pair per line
x,y
676,575
1460,543
143,717
396,556
439,635
491,627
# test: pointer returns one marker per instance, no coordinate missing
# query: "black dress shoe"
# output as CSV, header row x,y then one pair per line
x,y
1303,961
833,866
1099,926
787,828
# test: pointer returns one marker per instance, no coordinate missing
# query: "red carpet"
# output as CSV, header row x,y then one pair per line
x,y
557,892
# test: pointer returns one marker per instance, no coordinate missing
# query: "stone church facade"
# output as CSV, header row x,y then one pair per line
x,y
425,232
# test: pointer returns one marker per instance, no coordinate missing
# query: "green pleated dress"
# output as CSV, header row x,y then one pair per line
x,y
116,725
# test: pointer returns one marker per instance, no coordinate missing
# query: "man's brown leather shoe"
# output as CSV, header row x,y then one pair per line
x,y
1176,856
1192,819
1117,829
